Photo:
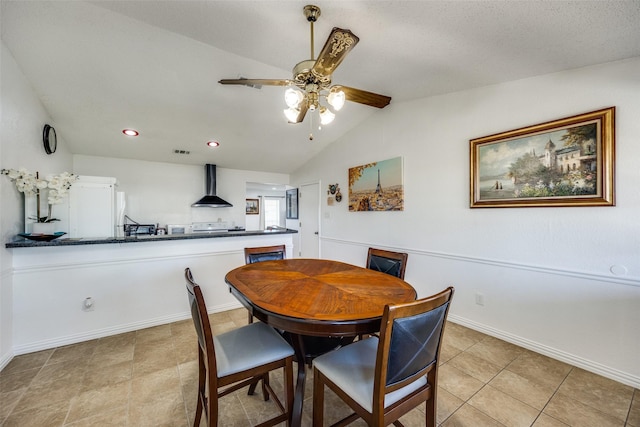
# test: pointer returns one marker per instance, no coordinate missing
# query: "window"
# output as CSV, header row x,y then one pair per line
x,y
271,212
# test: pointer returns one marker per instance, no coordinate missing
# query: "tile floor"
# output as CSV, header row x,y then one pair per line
x,y
148,378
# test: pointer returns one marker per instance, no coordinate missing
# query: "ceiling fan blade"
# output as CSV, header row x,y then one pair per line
x,y
303,111
364,97
255,82
339,43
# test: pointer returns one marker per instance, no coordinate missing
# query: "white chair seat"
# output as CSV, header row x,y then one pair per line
x,y
247,347
352,369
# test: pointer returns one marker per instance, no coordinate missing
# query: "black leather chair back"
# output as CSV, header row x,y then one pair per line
x,y
414,343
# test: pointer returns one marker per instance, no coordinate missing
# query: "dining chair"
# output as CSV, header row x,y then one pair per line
x,y
236,359
393,263
382,378
263,253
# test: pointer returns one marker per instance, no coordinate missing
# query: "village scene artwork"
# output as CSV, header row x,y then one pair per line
x,y
377,186
561,163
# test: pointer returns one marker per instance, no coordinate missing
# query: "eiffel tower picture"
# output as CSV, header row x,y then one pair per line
x,y
367,194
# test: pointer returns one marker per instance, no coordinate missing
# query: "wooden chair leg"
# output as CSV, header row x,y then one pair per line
x,y
318,399
252,387
265,383
202,378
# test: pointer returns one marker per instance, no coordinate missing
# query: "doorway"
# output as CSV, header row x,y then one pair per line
x,y
309,204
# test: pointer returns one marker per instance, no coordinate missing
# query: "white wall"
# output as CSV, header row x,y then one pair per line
x,y
163,192
545,273
23,117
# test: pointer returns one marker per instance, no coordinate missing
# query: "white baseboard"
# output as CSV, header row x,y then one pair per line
x,y
571,359
5,359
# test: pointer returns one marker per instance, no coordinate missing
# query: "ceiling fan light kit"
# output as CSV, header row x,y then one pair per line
x,y
311,80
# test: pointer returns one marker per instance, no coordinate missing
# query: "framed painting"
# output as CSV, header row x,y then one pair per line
x,y
377,186
253,207
566,162
292,203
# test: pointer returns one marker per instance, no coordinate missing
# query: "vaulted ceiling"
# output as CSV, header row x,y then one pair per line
x,y
101,66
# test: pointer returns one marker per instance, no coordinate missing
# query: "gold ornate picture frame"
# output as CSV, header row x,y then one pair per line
x,y
565,162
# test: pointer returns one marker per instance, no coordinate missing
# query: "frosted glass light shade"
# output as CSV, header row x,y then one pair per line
x,y
293,97
326,116
291,114
336,99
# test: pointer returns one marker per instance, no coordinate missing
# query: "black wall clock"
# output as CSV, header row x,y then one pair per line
x,y
49,139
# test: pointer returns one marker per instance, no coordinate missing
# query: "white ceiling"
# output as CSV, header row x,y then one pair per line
x,y
101,66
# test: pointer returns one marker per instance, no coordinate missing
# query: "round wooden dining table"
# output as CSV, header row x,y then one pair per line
x,y
316,297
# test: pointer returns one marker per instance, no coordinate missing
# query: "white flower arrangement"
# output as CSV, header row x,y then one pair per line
x,y
30,184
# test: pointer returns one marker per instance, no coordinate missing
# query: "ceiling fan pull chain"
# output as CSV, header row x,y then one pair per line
x,y
311,127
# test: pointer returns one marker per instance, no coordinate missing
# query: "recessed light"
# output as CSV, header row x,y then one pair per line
x,y
130,132
213,144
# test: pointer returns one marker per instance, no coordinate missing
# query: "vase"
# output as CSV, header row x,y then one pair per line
x,y
43,228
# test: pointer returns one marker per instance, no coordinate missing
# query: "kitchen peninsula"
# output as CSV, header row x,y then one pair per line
x,y
71,290
26,243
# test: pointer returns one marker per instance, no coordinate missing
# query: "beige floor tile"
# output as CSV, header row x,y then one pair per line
x,y
185,348
574,413
63,371
222,317
17,380
52,415
146,360
414,418
496,351
448,352
116,341
49,393
25,362
82,350
458,383
107,375
633,419
447,405
105,356
468,416
99,401
478,368
546,421
460,337
8,400
606,395
183,328
533,394
154,385
503,408
149,378
540,369
165,410
153,334
240,314
117,418
221,328
256,408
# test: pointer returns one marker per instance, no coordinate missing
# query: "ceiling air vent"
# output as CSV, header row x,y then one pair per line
x,y
176,151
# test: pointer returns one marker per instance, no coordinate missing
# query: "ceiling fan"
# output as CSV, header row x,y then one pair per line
x,y
311,79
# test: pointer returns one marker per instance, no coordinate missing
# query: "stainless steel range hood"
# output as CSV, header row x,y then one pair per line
x,y
210,200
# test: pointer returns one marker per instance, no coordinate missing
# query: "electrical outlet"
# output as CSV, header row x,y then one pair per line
x,y
479,299
88,304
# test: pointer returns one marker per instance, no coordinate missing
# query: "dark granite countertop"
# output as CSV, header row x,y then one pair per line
x,y
21,242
